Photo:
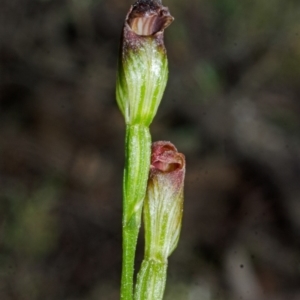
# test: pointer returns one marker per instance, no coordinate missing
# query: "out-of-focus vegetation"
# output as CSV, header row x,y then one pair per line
x,y
231,105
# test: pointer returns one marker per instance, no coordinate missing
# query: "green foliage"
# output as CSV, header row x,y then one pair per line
x,y
31,229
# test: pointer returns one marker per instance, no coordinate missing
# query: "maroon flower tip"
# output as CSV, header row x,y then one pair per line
x,y
148,17
165,158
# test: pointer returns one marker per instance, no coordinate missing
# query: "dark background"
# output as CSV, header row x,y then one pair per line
x,y
231,106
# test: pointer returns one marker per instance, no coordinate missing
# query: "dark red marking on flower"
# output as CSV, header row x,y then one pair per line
x,y
145,20
149,17
166,159
167,167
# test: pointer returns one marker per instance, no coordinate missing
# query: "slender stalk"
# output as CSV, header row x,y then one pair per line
x,y
137,163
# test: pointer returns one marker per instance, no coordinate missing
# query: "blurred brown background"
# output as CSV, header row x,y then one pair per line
x,y
231,105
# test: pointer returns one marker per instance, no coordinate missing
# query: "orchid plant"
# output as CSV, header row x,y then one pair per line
x,y
153,176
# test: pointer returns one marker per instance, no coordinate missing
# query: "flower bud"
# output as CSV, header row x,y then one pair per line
x,y
142,71
164,201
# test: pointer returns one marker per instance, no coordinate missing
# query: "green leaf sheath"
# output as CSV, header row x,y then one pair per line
x,y
151,280
137,163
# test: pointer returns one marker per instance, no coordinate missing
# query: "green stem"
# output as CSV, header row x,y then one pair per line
x,y
151,280
137,163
